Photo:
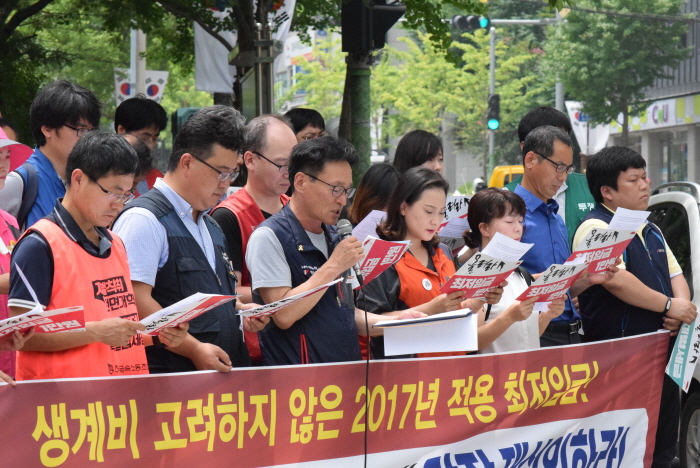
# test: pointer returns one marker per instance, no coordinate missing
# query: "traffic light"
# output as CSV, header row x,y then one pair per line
x,y
181,116
471,22
366,22
493,114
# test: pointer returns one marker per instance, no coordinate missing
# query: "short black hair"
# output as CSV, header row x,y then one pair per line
x,y
138,113
221,125
541,141
6,123
489,204
99,154
256,131
542,116
301,117
311,156
143,152
409,189
604,168
60,103
415,148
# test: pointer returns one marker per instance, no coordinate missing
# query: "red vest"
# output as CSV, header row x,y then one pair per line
x,y
249,216
103,287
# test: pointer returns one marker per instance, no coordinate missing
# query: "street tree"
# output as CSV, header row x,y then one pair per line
x,y
607,60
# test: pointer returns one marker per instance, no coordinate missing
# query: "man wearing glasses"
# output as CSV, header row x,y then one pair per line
x,y
176,249
547,160
59,115
269,140
69,258
299,249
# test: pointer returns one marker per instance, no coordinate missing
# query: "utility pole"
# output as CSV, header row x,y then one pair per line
x,y
364,24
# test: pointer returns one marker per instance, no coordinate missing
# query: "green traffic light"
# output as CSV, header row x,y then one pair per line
x,y
493,124
484,22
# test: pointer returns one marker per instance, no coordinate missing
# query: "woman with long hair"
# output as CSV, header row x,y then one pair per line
x,y
419,148
414,213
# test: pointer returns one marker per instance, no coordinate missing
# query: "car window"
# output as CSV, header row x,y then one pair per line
x,y
673,222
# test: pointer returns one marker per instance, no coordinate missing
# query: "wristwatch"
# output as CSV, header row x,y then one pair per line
x,y
668,305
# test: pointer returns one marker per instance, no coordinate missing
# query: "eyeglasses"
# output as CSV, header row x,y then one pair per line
x,y
559,167
281,168
338,190
80,131
116,197
223,176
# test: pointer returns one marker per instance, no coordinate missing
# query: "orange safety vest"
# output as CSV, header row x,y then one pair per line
x,y
414,291
103,287
249,216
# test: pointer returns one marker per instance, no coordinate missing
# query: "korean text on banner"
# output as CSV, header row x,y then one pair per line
x,y
556,405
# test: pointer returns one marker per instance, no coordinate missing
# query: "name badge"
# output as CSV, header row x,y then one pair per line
x,y
427,285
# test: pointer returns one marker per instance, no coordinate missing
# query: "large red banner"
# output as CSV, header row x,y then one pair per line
x,y
595,400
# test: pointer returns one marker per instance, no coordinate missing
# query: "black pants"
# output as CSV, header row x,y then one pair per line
x,y
557,334
667,430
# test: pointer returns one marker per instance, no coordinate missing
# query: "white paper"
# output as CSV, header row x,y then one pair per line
x,y
505,248
453,315
368,226
545,279
271,308
628,220
455,206
432,337
455,228
182,311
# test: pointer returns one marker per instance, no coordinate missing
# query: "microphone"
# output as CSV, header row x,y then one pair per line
x,y
345,230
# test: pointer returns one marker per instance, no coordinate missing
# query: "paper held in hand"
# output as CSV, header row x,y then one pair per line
x,y
44,321
552,284
454,222
182,311
271,308
368,226
601,247
379,256
487,269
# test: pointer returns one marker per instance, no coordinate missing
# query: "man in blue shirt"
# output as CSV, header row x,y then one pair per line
x,y
547,160
59,115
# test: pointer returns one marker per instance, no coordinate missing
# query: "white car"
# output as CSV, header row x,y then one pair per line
x,y
675,209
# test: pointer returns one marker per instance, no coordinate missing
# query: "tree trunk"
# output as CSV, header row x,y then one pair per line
x,y
357,85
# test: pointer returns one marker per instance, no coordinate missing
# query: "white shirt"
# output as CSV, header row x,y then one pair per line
x,y
146,239
521,335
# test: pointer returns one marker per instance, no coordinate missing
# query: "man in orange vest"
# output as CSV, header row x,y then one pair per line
x,y
269,140
69,258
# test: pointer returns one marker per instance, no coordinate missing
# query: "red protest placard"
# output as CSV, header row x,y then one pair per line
x,y
601,247
380,255
182,311
554,283
46,321
478,275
